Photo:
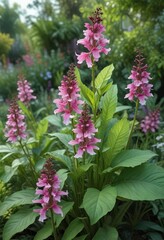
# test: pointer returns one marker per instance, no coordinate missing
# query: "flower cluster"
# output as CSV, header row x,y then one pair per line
x,y
69,92
15,126
151,122
85,132
49,191
25,93
140,87
94,40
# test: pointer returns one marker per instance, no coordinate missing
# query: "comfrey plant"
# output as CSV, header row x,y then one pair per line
x,y
91,159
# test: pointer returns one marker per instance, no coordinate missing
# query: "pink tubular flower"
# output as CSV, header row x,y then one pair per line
x,y
69,92
140,87
94,40
151,122
15,126
85,132
49,191
24,91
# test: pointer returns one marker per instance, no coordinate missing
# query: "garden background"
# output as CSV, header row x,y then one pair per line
x,y
42,48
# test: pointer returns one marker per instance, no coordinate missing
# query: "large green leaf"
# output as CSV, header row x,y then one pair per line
x,y
144,182
87,94
44,232
25,110
16,199
7,149
132,158
106,233
64,138
73,229
98,203
18,222
54,120
41,128
103,77
117,139
122,108
63,174
109,104
61,158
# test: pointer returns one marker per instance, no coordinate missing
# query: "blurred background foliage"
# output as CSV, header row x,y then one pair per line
x,y
53,32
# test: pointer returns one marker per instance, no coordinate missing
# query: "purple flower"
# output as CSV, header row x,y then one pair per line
x,y
49,191
94,40
85,132
69,92
151,122
15,126
25,93
139,88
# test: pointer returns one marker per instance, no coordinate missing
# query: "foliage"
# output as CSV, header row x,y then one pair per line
x,y
106,191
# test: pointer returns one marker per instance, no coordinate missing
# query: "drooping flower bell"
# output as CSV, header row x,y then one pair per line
x,y
85,135
69,102
139,88
151,122
49,191
15,128
25,93
94,40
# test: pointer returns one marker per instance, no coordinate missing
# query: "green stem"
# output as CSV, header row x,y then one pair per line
x,y
74,148
134,120
53,223
94,90
93,78
29,159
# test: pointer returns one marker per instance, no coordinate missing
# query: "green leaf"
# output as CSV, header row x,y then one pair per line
x,y
98,203
41,128
103,77
64,138
83,237
44,232
63,174
132,158
106,88
117,139
109,104
16,199
54,120
18,222
73,229
82,169
66,207
25,110
122,108
7,149
106,233
144,182
8,173
87,94
61,158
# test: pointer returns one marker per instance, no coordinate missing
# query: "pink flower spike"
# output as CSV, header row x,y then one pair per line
x,y
69,103
85,135
93,40
15,128
151,122
139,88
25,93
49,192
